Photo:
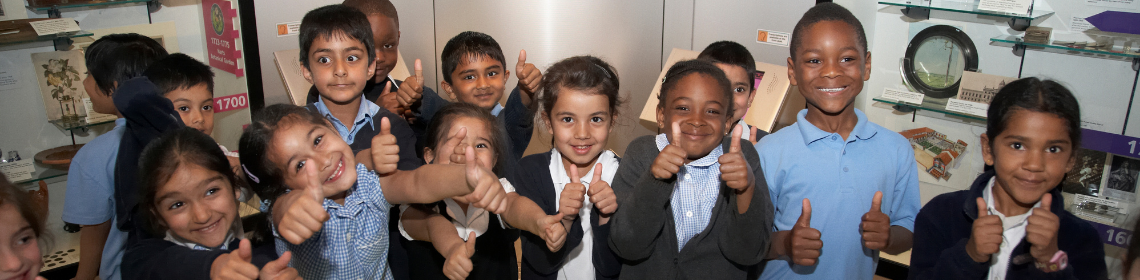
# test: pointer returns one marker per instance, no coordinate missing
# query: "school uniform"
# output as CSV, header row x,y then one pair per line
x,y
747,132
494,256
173,258
353,242
585,253
944,226
423,110
90,195
839,176
688,226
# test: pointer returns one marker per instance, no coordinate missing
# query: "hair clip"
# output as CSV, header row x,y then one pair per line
x,y
265,203
607,72
250,174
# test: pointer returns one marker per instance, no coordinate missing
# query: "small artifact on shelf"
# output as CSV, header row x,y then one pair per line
x,y
58,157
1037,34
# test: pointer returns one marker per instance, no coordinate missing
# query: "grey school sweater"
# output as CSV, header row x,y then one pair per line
x,y
643,235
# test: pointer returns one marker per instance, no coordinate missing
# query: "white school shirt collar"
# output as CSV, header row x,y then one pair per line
x,y
475,220
235,231
1014,232
579,263
746,134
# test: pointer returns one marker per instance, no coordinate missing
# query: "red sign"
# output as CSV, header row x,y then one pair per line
x,y
221,44
232,102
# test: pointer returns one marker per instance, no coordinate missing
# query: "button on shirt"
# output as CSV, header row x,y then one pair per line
x,y
363,117
90,200
694,193
1013,232
839,177
353,243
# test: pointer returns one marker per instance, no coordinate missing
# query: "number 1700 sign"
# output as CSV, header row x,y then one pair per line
x,y
232,102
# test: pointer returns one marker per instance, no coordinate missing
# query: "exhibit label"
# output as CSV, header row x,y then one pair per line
x,y
770,37
1113,235
967,107
232,102
1020,7
902,95
221,44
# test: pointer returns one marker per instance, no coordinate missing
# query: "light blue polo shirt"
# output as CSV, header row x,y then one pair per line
x,y
364,116
90,196
839,177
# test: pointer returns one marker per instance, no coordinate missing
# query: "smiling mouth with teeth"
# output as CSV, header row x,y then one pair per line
x,y
831,90
336,173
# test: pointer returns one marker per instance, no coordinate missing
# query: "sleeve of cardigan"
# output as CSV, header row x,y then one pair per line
x,y
644,200
535,253
155,258
748,234
606,263
935,255
519,122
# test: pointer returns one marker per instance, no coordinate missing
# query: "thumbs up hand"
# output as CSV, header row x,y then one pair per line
x,y
301,213
385,151
573,197
279,269
876,225
985,236
734,170
235,264
458,264
552,231
412,89
671,158
487,191
602,196
804,241
530,78
1041,232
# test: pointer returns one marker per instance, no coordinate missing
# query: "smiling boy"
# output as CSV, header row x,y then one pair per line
x,y
834,158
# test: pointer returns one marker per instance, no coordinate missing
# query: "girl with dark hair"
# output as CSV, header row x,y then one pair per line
x,y
1011,223
21,234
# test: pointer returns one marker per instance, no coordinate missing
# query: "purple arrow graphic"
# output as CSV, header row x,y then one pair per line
x,y
1113,21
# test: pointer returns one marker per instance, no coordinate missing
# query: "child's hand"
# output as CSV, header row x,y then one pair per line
x,y
279,269
385,151
488,191
458,263
876,225
530,78
804,242
1041,232
734,170
601,195
412,89
553,232
752,135
671,158
235,265
453,141
389,100
302,212
572,197
985,237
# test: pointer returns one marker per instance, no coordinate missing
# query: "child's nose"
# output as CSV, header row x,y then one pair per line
x,y
830,70
201,214
581,131
9,261
1034,161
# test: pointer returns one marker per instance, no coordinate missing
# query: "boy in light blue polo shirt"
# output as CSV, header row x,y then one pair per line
x,y
90,197
860,177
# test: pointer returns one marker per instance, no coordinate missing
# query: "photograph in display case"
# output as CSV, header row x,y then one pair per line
x,y
1086,176
1121,181
60,75
978,87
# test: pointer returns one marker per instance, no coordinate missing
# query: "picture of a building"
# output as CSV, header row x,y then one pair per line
x,y
934,151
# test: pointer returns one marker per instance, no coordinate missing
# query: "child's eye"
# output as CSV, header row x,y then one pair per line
x,y
813,61
176,205
388,46
682,108
1054,149
469,77
323,59
597,119
492,74
738,89
712,111
208,108
24,240
353,58
481,146
212,191
183,108
1016,146
848,59
567,119
300,164
317,141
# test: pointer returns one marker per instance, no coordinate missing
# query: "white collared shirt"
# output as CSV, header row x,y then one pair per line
x,y
579,262
473,220
1014,227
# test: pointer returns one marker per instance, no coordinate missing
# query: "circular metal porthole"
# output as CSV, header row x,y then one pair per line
x,y
936,58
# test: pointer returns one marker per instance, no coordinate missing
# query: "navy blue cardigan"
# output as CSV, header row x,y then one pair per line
x,y
943,228
533,181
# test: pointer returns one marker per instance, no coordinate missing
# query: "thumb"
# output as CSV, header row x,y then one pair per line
x,y
385,126
522,62
470,244
877,202
736,132
419,71
982,211
244,251
597,173
555,218
313,189
472,165
280,263
387,86
805,216
1047,201
673,135
574,175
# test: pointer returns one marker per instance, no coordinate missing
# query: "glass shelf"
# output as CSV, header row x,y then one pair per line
x,y
1067,49
42,173
966,6
18,38
83,5
934,105
77,124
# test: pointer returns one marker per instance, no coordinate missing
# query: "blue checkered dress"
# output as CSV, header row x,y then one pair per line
x,y
694,194
353,244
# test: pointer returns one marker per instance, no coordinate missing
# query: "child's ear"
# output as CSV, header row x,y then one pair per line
x,y
447,88
429,157
792,71
987,150
1072,161
660,116
372,66
546,121
867,67
308,74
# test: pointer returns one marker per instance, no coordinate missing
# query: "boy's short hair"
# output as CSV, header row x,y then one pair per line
x,y
470,45
685,68
117,58
335,20
732,53
180,71
826,12
369,7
